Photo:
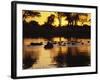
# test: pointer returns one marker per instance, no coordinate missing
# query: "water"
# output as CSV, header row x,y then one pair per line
x,y
36,57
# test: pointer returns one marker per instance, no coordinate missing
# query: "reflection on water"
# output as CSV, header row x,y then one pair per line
x,y
36,56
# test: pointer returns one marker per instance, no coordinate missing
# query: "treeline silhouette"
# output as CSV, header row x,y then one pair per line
x,y
33,29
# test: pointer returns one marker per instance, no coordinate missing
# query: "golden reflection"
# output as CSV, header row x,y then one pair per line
x,y
58,39
45,58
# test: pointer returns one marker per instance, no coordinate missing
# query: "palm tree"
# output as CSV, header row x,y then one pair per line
x,y
76,18
72,18
59,16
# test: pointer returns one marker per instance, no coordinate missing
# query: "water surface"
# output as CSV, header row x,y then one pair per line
x,y
36,57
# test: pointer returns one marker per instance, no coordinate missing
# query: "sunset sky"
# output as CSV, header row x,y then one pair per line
x,y
44,15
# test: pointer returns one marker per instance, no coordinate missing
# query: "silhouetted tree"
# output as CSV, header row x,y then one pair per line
x,y
59,16
69,18
50,19
72,18
27,13
76,18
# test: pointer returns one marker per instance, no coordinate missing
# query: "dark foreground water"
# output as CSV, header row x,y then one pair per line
x,y
36,56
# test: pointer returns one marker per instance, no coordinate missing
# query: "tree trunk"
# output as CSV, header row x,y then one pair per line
x,y
59,18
